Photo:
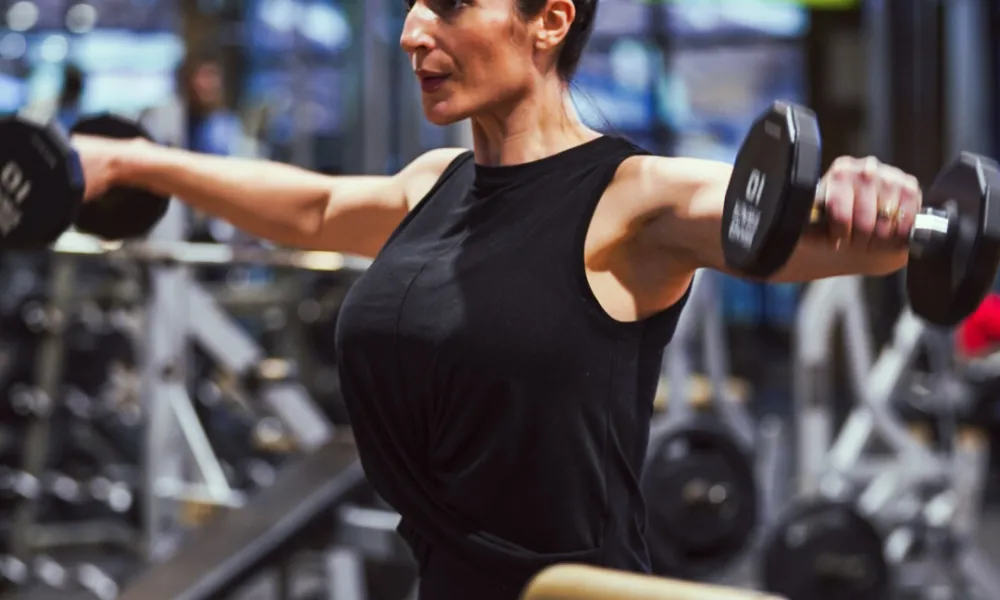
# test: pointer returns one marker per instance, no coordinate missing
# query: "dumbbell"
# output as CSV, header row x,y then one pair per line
x,y
115,495
772,200
17,485
52,574
42,185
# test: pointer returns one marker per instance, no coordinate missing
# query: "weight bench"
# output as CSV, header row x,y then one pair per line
x,y
285,517
578,582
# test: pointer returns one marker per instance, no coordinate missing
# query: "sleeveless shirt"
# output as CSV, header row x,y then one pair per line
x,y
494,403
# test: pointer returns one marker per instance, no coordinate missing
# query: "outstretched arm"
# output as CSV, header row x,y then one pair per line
x,y
679,208
275,201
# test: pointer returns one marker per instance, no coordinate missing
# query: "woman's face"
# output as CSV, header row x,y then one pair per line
x,y
206,85
470,55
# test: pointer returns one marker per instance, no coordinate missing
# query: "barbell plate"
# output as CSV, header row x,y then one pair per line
x,y
701,499
825,550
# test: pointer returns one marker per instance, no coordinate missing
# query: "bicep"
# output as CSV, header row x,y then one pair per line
x,y
363,211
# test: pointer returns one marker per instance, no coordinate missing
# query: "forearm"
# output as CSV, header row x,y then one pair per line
x,y
691,225
275,201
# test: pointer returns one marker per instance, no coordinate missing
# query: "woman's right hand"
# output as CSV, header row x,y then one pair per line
x,y
102,160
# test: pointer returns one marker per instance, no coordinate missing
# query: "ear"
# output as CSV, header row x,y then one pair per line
x,y
554,23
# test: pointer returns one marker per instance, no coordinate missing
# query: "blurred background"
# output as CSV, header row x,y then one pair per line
x,y
323,84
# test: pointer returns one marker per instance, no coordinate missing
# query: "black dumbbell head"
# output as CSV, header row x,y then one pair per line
x,y
947,285
772,190
41,183
121,213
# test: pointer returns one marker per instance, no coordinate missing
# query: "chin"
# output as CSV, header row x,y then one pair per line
x,y
443,113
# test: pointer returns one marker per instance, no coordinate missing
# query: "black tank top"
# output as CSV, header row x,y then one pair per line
x,y
495,404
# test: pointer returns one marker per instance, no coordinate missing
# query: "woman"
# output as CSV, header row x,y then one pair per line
x,y
499,357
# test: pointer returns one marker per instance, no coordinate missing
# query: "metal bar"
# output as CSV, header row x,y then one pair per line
x,y
222,338
772,467
163,363
377,74
715,361
173,252
89,533
290,402
346,575
966,53
824,304
197,441
49,367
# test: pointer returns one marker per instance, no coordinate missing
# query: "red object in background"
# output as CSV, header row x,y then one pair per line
x,y
980,333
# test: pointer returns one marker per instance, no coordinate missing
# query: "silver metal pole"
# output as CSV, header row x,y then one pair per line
x,y
376,73
966,75
877,26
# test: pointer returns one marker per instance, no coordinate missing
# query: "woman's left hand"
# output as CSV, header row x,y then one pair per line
x,y
869,205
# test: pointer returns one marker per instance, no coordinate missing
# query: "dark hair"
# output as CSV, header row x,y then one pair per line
x,y
576,39
72,86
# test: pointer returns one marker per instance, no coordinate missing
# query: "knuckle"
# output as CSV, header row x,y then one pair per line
x,y
842,163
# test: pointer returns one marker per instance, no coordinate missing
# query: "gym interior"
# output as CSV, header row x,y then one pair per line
x,y
173,423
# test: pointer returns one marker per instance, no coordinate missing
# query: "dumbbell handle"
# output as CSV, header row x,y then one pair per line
x,y
930,231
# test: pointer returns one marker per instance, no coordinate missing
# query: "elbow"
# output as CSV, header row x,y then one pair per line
x,y
314,224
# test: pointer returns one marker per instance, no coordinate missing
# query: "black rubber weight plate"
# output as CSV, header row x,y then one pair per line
x,y
694,540
823,550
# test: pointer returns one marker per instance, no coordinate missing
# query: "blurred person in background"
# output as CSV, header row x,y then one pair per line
x,y
197,118
211,127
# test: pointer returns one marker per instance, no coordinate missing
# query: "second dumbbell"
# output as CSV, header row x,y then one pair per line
x,y
42,185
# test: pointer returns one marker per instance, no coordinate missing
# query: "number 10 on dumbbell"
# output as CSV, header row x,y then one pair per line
x,y
746,211
14,188
773,199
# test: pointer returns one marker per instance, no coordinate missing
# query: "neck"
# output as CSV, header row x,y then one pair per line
x,y
540,124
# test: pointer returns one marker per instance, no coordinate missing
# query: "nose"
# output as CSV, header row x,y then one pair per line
x,y
416,29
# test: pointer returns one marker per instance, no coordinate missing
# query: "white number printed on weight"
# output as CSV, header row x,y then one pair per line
x,y
13,183
755,187
746,215
10,216
743,226
13,190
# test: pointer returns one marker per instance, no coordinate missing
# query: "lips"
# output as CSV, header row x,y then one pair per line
x,y
432,83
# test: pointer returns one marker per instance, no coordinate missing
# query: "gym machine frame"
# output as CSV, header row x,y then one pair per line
x,y
829,466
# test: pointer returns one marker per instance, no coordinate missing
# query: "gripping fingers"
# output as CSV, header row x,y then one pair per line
x,y
866,201
839,201
890,202
910,203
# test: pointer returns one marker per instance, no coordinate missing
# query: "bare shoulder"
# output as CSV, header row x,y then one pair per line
x,y
418,177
